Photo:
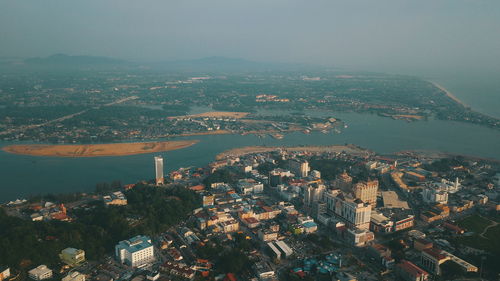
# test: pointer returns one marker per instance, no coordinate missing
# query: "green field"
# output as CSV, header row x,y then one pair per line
x,y
488,242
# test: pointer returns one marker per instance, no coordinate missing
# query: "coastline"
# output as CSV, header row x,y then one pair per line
x,y
97,150
450,94
237,152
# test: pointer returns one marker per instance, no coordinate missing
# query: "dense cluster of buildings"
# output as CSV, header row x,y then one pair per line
x,y
278,207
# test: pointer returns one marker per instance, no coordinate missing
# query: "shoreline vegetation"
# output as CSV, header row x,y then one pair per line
x,y
97,150
237,152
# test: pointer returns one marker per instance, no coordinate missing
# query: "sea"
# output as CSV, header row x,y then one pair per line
x,y
22,176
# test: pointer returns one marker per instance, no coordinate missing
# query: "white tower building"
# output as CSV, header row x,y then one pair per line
x,y
159,170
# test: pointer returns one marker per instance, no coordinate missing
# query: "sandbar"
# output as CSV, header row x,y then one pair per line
x,y
96,150
215,114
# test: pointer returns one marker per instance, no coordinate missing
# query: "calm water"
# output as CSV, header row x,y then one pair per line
x,y
23,175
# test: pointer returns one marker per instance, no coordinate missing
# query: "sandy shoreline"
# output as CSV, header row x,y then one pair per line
x,y
237,152
450,94
214,114
97,150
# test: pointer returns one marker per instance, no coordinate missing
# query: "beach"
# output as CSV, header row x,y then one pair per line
x,y
450,95
214,114
97,150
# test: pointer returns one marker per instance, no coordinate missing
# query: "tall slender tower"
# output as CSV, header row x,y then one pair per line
x,y
159,170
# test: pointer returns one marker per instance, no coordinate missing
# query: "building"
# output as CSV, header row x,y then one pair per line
x,y
313,194
354,212
72,256
159,170
300,168
263,271
410,272
178,269
274,252
116,198
343,182
283,248
136,252
247,186
359,237
40,272
366,191
4,273
432,195
74,276
421,244
432,258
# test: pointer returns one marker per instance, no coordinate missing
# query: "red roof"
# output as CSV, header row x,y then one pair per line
x,y
412,268
435,253
230,277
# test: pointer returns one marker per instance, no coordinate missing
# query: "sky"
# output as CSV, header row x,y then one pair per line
x,y
419,35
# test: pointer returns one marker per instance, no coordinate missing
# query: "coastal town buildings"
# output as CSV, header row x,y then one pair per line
x,y
40,272
136,252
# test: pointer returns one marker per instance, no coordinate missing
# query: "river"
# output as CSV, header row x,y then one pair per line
x,y
23,175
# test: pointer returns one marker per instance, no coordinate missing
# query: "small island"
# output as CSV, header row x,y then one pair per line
x,y
96,150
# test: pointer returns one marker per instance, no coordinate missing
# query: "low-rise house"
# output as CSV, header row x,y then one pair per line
x,y
4,273
74,276
40,272
72,256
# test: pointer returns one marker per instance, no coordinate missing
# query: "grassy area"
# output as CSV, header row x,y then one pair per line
x,y
477,224
474,223
493,233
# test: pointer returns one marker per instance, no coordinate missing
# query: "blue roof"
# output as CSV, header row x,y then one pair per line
x,y
310,224
137,243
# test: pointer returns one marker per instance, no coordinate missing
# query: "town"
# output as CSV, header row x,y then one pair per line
x,y
329,213
136,105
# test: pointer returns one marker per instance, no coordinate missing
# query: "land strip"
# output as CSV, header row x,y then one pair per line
x,y
96,150
237,152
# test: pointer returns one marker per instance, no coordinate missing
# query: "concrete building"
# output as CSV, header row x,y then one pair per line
x,y
4,273
431,259
74,276
300,168
432,195
343,182
116,198
40,272
410,272
283,248
366,191
354,212
72,256
359,237
247,186
159,170
136,252
313,194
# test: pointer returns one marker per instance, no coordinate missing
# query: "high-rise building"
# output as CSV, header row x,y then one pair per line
x,y
300,168
366,191
354,212
159,170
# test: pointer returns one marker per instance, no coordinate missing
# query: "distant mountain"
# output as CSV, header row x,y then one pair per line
x,y
68,60
62,62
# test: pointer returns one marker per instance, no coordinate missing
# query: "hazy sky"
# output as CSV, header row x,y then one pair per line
x,y
390,34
